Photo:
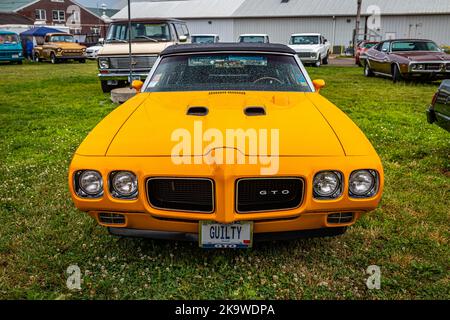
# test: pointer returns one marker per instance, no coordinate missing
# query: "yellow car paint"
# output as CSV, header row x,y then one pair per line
x,y
315,135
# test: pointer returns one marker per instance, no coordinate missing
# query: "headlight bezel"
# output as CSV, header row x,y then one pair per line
x,y
115,193
103,63
81,191
336,193
372,191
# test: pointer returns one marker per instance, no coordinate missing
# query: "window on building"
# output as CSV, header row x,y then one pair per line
x,y
95,30
58,15
40,14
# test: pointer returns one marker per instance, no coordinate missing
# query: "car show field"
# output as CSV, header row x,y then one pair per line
x,y
47,111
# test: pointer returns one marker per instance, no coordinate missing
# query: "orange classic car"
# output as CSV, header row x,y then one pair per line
x,y
226,144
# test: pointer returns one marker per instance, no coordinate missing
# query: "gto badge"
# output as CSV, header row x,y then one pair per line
x,y
274,192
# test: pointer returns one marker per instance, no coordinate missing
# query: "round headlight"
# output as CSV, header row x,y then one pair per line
x,y
104,64
124,183
361,183
327,184
90,182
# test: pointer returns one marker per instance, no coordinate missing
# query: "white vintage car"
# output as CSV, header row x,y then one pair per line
x,y
311,48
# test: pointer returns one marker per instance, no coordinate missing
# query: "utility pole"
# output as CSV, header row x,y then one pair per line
x,y
357,23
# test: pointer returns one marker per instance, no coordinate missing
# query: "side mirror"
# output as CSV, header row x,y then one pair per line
x,y
101,40
137,85
183,38
318,84
325,40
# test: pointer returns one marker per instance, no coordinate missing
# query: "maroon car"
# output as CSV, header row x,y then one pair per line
x,y
408,59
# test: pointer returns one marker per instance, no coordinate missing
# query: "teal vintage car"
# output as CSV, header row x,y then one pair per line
x,y
10,47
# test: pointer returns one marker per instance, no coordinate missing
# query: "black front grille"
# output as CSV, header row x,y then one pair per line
x,y
190,194
433,66
268,194
304,54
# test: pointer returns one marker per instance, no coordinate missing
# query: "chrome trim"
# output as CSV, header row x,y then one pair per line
x,y
273,210
213,190
341,177
373,192
446,63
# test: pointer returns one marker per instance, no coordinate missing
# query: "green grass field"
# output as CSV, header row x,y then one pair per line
x,y
46,111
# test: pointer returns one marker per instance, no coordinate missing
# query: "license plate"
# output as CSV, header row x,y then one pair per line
x,y
112,82
235,235
15,56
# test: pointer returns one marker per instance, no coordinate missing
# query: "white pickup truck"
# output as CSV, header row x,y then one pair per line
x,y
311,48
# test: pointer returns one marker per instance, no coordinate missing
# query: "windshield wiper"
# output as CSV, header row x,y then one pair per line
x,y
145,37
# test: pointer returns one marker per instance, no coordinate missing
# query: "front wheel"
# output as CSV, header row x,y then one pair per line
x,y
53,58
396,75
367,71
82,61
325,60
318,63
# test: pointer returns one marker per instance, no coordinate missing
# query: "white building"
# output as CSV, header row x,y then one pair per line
x,y
279,19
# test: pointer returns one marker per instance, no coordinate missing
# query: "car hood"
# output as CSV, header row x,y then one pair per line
x,y
68,45
150,124
424,56
302,128
305,47
136,48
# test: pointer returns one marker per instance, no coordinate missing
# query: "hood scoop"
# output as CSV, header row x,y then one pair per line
x,y
197,111
255,111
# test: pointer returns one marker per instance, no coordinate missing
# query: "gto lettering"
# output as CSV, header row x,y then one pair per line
x,y
274,192
239,146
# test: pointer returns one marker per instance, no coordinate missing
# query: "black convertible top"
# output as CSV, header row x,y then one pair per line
x,y
224,46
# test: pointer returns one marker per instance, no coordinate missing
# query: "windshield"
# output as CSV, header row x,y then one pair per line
x,y
252,39
202,39
61,38
140,31
305,40
234,71
8,38
414,46
370,45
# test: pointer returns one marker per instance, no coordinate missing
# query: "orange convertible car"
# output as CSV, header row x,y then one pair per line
x,y
226,144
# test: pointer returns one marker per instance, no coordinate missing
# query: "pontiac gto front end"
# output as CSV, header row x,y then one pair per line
x,y
226,144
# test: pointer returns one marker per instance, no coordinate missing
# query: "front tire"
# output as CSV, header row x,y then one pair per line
x,y
53,58
367,71
396,75
82,61
318,63
325,60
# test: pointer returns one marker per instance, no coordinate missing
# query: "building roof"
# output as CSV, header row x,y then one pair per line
x,y
182,9
13,5
99,11
266,8
224,46
14,18
276,8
